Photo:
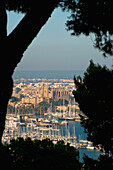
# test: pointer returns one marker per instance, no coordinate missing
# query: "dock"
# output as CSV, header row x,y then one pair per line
x,y
40,129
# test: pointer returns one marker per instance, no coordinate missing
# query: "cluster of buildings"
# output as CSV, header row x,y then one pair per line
x,y
44,93
34,93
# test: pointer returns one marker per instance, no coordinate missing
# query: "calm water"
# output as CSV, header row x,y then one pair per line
x,y
47,74
79,132
75,129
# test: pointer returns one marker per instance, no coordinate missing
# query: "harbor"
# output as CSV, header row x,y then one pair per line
x,y
47,126
45,108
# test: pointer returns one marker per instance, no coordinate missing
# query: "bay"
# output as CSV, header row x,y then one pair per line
x,y
47,74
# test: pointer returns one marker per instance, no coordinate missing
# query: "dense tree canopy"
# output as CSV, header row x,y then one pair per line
x,y
32,155
94,93
92,17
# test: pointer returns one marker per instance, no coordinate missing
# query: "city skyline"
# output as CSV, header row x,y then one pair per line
x,y
55,49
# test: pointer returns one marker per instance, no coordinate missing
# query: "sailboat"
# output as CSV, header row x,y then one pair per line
x,y
70,118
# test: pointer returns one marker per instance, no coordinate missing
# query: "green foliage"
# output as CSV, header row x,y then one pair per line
x,y
30,108
94,93
27,154
92,17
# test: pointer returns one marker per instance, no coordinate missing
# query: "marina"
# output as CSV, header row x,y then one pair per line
x,y
36,127
45,108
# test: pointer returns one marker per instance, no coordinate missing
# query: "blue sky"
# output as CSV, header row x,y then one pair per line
x,y
55,49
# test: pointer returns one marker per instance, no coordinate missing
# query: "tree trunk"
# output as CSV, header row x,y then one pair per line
x,y
28,28
6,88
14,45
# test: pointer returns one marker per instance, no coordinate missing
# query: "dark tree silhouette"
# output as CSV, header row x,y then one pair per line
x,y
94,93
13,46
32,155
86,17
92,17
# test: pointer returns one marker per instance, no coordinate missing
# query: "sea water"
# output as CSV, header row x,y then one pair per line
x,y
47,74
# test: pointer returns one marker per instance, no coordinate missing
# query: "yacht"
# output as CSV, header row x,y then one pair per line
x,y
90,147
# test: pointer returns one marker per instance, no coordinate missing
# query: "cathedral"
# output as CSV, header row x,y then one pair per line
x,y
45,93
54,93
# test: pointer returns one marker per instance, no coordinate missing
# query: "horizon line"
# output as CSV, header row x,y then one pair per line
x,y
49,70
